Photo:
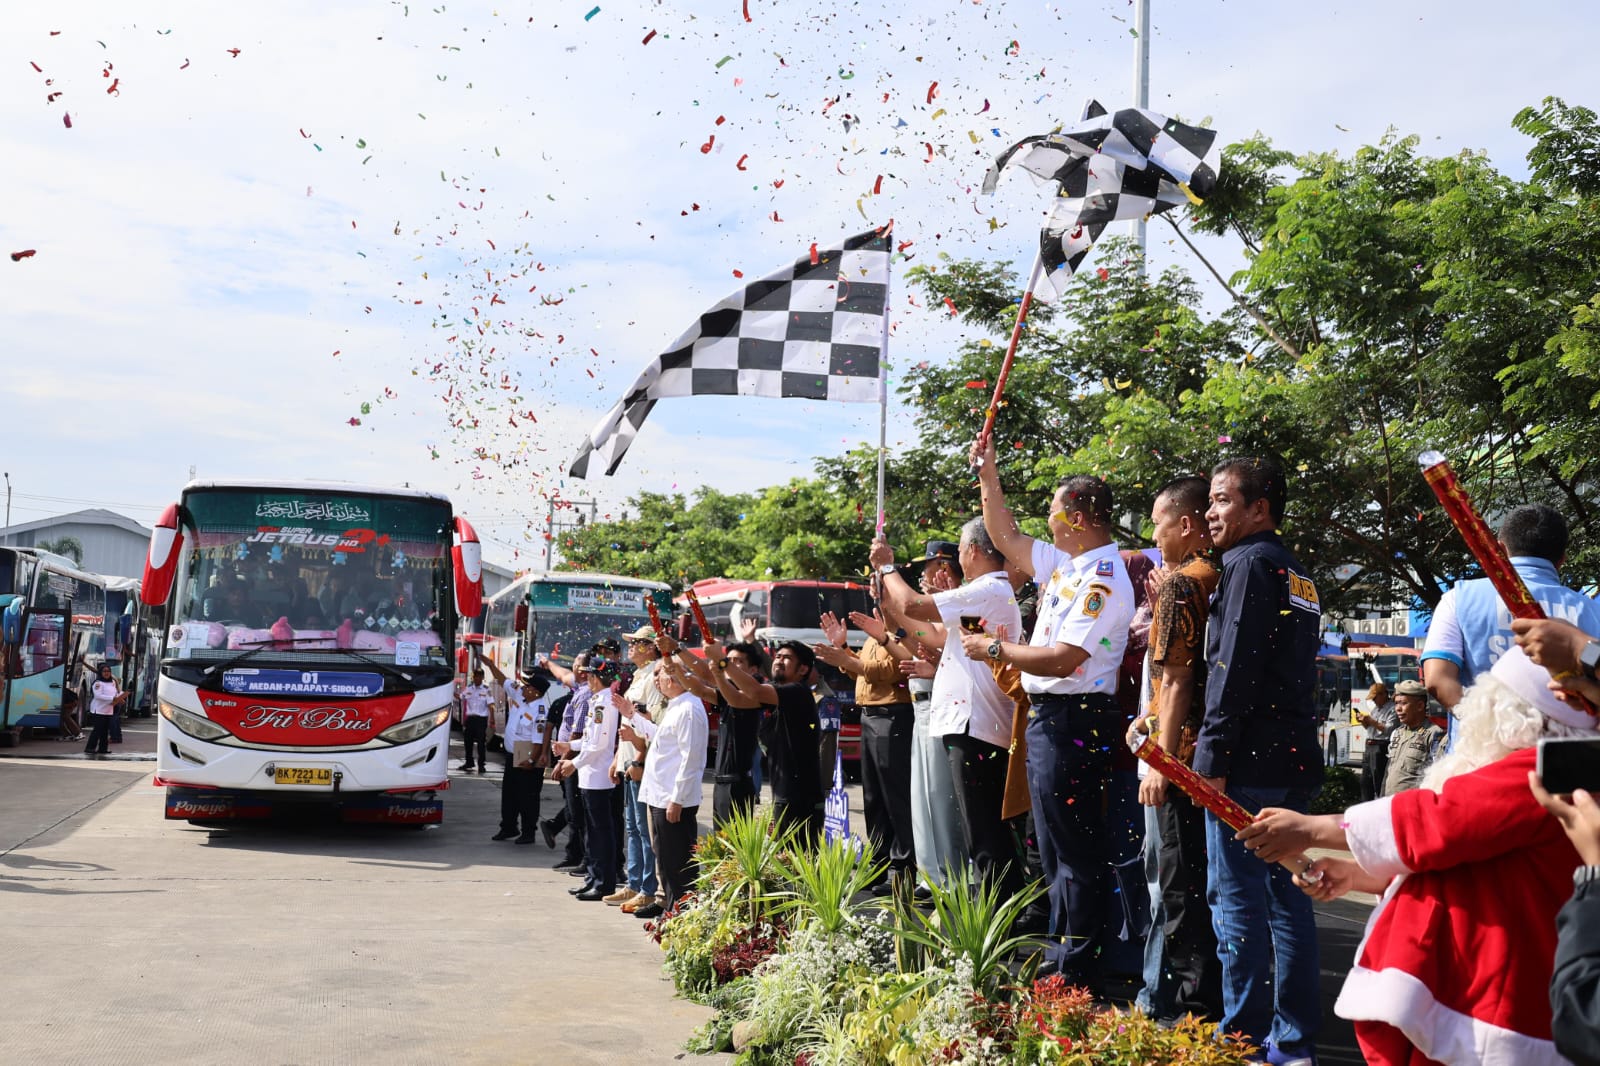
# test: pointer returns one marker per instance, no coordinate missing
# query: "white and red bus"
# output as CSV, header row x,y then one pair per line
x,y
308,656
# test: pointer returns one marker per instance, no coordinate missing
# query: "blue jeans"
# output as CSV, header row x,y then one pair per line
x,y
636,826
1155,998
1266,935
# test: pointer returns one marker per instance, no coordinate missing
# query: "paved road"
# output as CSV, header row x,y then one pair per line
x,y
125,938
331,945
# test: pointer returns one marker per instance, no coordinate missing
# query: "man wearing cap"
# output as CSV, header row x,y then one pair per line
x,y
586,756
1414,742
525,722
475,699
1070,667
1456,963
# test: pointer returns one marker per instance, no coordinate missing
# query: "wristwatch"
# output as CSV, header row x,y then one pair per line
x,y
1589,659
887,568
900,633
994,650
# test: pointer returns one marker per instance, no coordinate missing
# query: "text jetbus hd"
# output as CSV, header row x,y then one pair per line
x,y
307,659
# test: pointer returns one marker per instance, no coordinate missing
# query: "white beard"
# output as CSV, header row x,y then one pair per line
x,y
1492,721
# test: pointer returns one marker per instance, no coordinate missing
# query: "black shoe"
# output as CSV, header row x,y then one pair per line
x,y
922,894
650,910
580,870
465,767
527,839
546,827
599,892
482,770
881,889
587,886
502,835
568,864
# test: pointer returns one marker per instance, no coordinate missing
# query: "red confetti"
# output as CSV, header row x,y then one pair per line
x,y
814,258
111,90
775,217
933,90
66,120
355,421
929,147
185,65
27,253
705,149
740,164
747,10
720,120
35,66
977,384
778,184
491,244
1103,273
951,304
234,52
736,273
877,186
304,134
903,245
648,37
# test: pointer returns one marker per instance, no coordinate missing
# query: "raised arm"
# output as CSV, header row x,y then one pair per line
x,y
1016,545
715,655
899,597
489,665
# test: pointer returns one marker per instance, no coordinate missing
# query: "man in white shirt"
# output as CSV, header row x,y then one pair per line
x,y
525,722
673,769
1069,670
475,720
589,756
968,710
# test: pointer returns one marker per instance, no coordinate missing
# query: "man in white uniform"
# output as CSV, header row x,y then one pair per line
x,y
475,720
1069,670
525,721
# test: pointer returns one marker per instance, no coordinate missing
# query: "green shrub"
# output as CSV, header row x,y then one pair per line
x,y
1341,790
825,883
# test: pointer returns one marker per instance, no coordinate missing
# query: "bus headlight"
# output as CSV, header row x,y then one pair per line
x,y
415,728
192,724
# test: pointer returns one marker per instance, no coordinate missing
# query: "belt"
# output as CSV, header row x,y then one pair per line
x,y
883,710
1095,701
730,779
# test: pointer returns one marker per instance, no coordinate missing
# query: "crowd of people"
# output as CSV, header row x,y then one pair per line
x,y
991,728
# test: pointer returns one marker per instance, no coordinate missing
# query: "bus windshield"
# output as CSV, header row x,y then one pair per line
x,y
290,571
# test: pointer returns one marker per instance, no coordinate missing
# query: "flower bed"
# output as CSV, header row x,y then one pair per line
x,y
805,969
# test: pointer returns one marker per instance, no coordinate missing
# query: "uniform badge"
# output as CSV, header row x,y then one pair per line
x,y
1095,601
1103,568
597,716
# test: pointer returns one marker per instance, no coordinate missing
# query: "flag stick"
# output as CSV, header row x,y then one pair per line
x,y
1011,349
883,389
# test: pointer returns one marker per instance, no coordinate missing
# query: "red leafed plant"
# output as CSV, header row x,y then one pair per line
x,y
750,948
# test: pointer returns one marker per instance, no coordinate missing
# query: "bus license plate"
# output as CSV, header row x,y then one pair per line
x,y
302,775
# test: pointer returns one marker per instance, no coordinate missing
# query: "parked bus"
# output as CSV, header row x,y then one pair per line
x,y
308,659
557,614
52,635
1344,737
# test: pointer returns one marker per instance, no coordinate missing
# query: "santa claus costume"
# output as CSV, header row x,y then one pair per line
x,y
1456,962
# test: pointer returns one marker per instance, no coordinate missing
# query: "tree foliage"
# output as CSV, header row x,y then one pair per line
x,y
1421,302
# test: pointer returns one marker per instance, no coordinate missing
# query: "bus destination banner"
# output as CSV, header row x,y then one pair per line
x,y
598,599
300,683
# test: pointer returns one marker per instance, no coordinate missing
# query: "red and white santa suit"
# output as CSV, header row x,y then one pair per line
x,y
1456,962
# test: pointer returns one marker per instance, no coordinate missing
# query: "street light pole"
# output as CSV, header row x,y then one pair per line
x,y
1141,93
8,507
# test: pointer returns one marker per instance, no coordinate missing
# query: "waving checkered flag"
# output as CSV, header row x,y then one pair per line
x,y
1111,168
811,331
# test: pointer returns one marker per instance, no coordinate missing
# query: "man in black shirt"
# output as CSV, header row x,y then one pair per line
x,y
738,723
1258,743
789,733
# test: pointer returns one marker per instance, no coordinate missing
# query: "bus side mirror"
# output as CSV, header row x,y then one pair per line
x,y
161,565
519,619
467,556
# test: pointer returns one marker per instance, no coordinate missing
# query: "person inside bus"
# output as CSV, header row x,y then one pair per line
x,y
236,607
275,595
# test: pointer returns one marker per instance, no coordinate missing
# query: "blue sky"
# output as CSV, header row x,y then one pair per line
x,y
380,180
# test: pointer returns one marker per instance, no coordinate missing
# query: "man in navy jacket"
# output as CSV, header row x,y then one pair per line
x,y
1258,743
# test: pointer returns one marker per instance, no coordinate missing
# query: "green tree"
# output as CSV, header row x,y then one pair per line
x,y
68,546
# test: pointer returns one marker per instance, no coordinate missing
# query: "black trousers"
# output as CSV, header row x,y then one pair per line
x,y
475,731
601,835
519,799
1374,769
978,771
807,820
1069,763
574,814
1189,945
674,844
729,797
99,734
886,783
617,800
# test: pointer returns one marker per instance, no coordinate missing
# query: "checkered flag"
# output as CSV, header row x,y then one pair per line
x,y
1110,168
811,331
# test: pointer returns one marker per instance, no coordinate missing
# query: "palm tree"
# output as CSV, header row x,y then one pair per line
x,y
71,547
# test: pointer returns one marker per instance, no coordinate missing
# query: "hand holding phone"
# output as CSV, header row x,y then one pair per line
x,y
971,623
1569,763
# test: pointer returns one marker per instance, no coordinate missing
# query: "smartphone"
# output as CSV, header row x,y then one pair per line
x,y
1569,763
972,623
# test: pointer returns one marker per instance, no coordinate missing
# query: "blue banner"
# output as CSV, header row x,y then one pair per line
x,y
313,683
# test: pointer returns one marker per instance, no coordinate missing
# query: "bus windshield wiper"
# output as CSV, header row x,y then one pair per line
x,y
256,647
388,669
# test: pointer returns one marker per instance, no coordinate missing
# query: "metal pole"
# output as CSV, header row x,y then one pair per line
x,y
1141,94
549,534
883,394
8,507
